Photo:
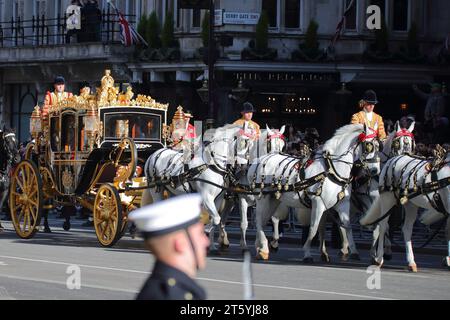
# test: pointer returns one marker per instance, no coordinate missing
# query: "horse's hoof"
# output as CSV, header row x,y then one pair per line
x,y
374,262
325,258
412,268
224,247
273,249
47,230
264,256
308,260
343,256
446,262
2,229
355,257
387,257
66,226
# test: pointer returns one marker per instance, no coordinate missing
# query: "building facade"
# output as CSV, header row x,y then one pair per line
x,y
287,83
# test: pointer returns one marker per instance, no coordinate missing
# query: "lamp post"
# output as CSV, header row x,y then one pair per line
x,y
208,5
203,92
240,93
211,61
341,98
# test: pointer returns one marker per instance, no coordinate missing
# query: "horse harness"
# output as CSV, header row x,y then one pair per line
x,y
407,193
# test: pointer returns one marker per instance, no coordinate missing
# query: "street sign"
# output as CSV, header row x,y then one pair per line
x,y
241,18
193,4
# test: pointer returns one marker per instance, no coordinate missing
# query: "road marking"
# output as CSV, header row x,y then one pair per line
x,y
71,263
3,263
203,279
64,283
298,289
344,267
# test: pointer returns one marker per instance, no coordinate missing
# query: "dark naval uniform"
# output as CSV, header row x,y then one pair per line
x,y
167,283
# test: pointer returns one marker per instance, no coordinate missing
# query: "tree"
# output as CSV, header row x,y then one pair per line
x,y
153,31
309,49
311,43
262,32
167,35
142,26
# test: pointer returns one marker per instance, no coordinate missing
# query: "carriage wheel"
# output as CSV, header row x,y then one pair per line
x,y
25,199
108,217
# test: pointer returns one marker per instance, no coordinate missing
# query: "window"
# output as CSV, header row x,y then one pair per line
x,y
18,9
40,8
178,18
271,9
196,18
351,17
292,14
381,4
400,16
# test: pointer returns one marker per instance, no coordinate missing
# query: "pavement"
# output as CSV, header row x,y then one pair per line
x,y
43,268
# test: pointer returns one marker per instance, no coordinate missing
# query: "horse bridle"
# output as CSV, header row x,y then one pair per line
x,y
276,135
402,134
10,153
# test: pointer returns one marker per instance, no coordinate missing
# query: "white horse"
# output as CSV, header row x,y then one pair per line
x,y
208,169
322,185
408,180
272,142
399,142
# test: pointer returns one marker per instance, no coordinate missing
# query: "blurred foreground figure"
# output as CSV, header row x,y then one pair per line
x,y
173,232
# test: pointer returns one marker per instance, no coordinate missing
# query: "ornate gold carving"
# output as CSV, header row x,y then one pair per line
x,y
106,96
67,179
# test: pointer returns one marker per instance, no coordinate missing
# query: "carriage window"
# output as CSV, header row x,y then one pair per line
x,y
54,132
68,132
82,136
141,126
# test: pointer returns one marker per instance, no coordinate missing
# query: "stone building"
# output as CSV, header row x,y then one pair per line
x,y
288,82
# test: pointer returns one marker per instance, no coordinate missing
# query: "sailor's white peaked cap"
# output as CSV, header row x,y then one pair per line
x,y
167,216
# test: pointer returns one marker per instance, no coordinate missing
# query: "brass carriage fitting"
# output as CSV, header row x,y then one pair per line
x,y
279,186
35,122
404,200
341,195
253,185
286,187
262,185
278,195
319,192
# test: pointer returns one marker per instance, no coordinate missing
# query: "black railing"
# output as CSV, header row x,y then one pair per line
x,y
42,31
